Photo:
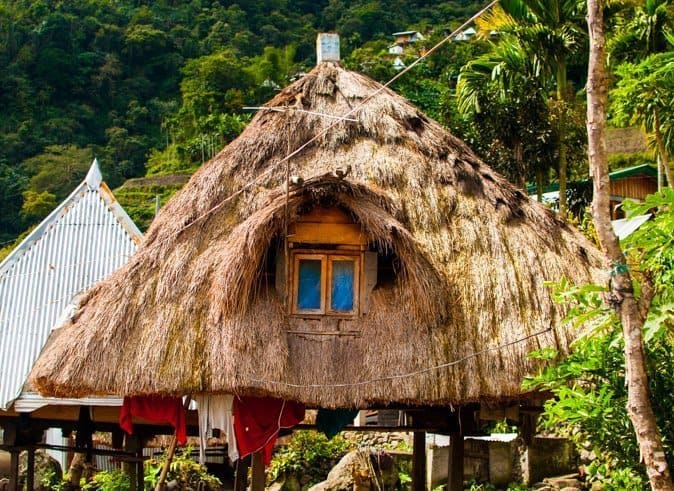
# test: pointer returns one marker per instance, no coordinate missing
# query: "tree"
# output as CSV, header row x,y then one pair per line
x,y
211,84
58,169
36,205
500,94
644,95
640,31
12,184
629,309
550,33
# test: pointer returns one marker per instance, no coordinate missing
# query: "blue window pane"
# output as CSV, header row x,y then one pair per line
x,y
341,297
309,288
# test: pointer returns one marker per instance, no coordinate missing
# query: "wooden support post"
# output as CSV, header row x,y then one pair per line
x,y
257,478
140,470
132,444
30,469
419,461
241,477
455,469
14,469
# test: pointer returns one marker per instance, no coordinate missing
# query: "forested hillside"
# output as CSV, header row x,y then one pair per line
x,y
156,86
154,89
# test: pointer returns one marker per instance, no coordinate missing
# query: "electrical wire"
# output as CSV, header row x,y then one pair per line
x,y
407,374
320,134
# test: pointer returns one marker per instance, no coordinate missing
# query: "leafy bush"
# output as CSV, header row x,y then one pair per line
x,y
187,473
589,385
308,453
116,480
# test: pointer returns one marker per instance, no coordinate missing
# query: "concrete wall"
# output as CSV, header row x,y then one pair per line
x,y
548,456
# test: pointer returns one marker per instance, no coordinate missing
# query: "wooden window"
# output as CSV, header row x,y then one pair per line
x,y
326,283
310,283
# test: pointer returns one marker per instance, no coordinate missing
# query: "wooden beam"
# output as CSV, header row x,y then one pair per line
x,y
419,462
14,469
327,233
30,469
257,479
455,468
241,477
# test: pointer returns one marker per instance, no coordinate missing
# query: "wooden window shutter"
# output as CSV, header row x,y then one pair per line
x,y
369,279
281,274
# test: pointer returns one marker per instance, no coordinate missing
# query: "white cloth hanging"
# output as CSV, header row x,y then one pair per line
x,y
215,411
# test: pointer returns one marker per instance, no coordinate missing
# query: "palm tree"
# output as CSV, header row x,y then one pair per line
x,y
640,31
549,32
502,83
644,95
644,91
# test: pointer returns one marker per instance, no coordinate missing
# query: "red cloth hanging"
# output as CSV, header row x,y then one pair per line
x,y
157,409
257,421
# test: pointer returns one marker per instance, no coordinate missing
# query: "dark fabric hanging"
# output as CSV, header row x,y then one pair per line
x,y
84,436
331,421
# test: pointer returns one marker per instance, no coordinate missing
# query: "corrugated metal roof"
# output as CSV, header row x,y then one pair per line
x,y
625,227
83,240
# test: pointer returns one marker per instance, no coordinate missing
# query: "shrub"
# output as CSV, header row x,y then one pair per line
x,y
308,453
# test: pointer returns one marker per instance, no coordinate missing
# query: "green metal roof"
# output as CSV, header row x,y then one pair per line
x,y
637,170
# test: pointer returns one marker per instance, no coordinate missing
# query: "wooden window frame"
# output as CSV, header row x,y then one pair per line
x,y
327,257
356,259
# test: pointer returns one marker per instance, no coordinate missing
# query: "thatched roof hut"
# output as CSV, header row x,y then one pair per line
x,y
210,301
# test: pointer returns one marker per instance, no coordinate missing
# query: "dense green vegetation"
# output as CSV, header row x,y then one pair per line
x,y
156,87
591,395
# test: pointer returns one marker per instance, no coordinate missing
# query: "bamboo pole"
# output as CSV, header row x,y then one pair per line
x,y
171,452
167,463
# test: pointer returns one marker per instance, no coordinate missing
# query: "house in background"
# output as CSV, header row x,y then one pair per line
x,y
395,49
406,43
635,183
466,34
632,183
83,240
408,37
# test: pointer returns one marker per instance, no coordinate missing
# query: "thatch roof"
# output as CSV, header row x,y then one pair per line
x,y
194,312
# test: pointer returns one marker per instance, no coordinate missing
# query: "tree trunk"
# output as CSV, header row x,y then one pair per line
x,y
76,469
539,185
518,154
662,152
622,293
562,88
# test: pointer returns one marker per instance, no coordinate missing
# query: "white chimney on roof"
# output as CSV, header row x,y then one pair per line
x,y
327,47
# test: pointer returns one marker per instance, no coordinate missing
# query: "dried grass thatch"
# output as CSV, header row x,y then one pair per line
x,y
192,311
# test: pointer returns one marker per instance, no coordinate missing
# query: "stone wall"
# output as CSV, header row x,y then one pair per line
x,y
379,440
548,456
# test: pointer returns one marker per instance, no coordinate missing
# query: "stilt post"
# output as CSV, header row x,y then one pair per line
x,y
241,477
455,469
419,461
30,469
257,481
14,469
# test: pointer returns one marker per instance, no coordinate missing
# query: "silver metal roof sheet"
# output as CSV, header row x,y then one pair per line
x,y
83,240
625,227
